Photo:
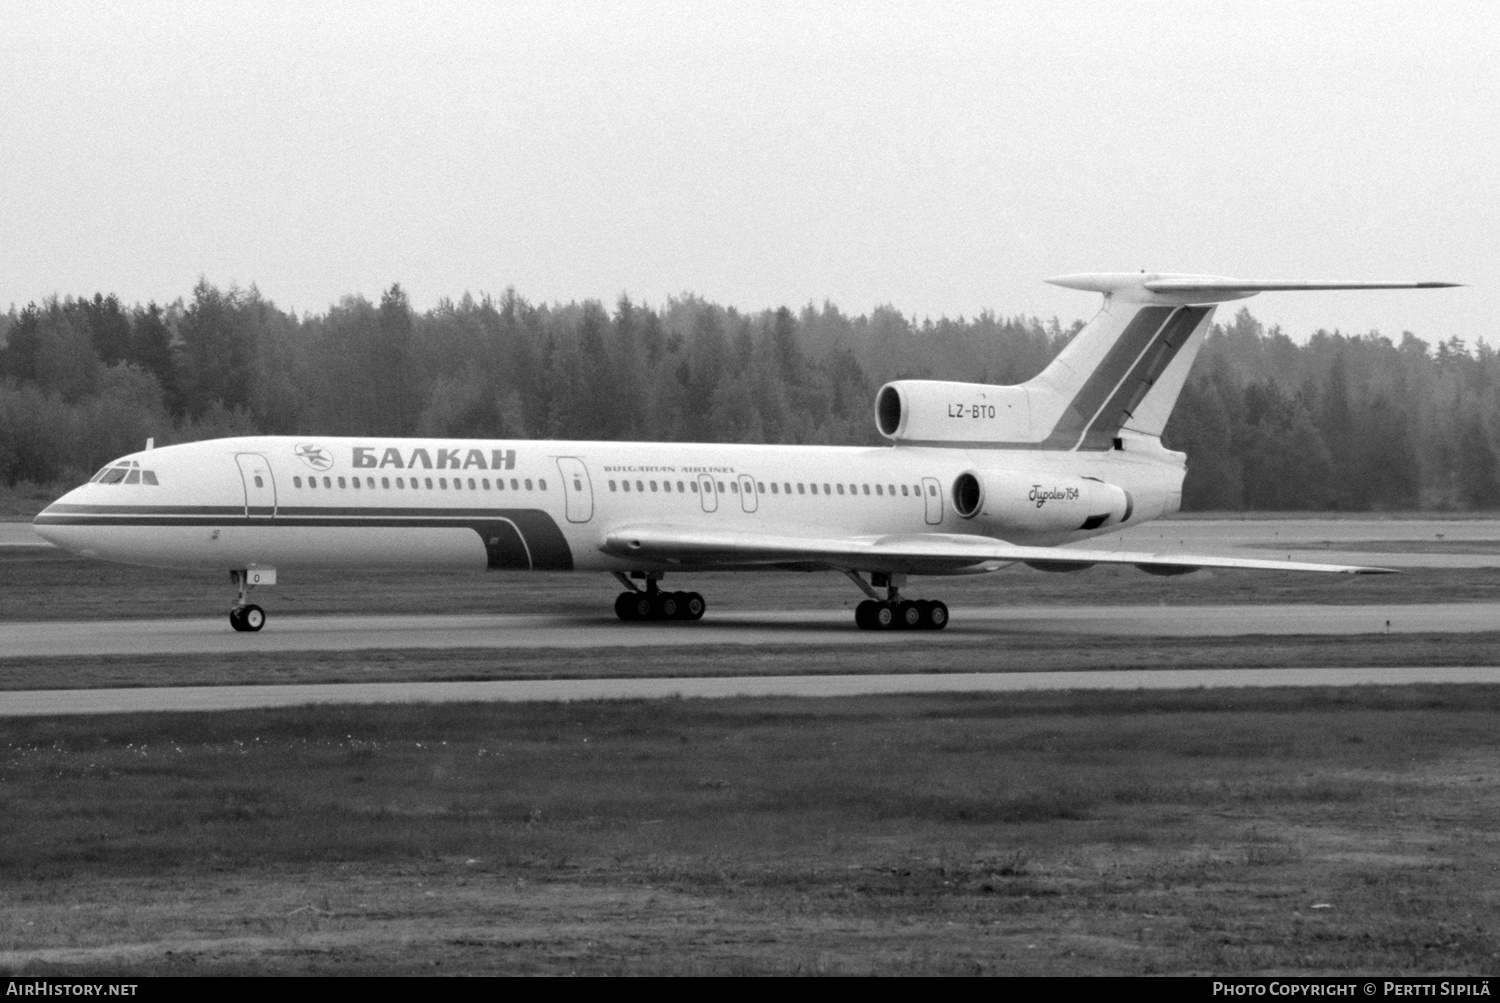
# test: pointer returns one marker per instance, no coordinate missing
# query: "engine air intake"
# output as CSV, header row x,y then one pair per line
x,y
968,495
888,411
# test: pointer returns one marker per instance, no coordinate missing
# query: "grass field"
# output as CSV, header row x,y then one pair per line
x,y
1209,832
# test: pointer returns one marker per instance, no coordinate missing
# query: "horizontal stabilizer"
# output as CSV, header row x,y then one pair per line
x,y
1173,289
916,553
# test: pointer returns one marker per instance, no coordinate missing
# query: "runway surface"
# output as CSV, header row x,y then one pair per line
x,y
20,534
34,703
802,628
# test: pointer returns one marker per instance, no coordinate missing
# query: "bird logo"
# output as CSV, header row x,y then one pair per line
x,y
315,456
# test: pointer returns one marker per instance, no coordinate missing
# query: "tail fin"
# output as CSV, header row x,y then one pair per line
x,y
1126,368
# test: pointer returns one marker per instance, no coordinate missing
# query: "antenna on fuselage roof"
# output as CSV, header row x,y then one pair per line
x,y
151,442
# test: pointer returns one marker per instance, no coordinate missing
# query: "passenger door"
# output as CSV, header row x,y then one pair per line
x,y
260,487
578,490
707,493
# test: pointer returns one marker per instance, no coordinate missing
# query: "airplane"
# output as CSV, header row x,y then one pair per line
x,y
974,478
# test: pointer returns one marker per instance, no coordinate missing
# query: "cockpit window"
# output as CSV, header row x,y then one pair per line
x,y
125,472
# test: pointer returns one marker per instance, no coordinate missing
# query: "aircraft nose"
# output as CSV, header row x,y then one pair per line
x,y
51,524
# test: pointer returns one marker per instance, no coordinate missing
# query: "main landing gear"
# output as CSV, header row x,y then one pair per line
x,y
651,603
245,615
893,612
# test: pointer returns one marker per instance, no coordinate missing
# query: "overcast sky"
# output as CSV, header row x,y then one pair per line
x,y
943,158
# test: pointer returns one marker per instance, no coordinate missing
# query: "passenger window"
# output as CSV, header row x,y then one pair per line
x,y
720,485
653,485
400,482
341,482
385,482
485,482
528,484
891,490
788,487
931,490
442,483
148,477
841,489
867,489
133,477
626,484
639,486
773,489
827,490
854,489
679,487
515,484
296,482
693,486
734,487
328,482
541,484
800,489
760,486
355,482
903,491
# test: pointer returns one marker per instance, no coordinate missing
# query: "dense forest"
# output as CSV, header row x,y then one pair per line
x,y
1343,422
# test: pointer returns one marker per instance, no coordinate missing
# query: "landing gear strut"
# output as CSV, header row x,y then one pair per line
x,y
245,616
893,612
651,603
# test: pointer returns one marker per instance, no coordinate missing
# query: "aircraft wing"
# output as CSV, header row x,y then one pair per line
x,y
913,553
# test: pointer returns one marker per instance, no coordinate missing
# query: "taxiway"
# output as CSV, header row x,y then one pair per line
x,y
36,703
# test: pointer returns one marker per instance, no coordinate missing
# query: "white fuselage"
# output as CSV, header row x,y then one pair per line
x,y
290,503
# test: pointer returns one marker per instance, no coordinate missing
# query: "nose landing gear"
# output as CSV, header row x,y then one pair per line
x,y
245,616
893,612
651,603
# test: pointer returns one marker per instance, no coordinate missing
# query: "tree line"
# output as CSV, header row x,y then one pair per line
x,y
1343,422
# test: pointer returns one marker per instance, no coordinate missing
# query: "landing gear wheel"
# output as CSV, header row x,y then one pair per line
x,y
644,607
935,617
693,606
625,606
908,615
864,615
883,617
247,618
671,605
